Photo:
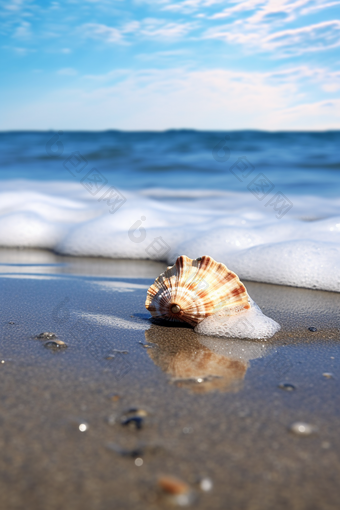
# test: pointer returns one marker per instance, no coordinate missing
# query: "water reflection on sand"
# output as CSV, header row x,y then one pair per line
x,y
200,363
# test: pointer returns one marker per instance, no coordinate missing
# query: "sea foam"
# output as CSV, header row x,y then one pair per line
x,y
252,324
301,249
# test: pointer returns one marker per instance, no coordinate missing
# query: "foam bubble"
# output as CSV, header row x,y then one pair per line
x,y
252,324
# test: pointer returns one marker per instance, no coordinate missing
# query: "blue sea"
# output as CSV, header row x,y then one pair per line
x,y
295,162
265,204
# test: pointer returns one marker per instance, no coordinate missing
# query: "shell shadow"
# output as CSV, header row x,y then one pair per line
x,y
201,364
161,322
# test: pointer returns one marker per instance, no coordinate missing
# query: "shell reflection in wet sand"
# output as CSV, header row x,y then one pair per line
x,y
200,368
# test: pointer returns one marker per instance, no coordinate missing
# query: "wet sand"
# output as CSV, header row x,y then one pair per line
x,y
206,407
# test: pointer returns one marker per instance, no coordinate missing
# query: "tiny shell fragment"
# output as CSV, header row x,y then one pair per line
x,y
46,336
172,485
55,345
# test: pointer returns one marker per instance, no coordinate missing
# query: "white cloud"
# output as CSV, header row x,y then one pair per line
x,y
177,98
326,80
269,11
13,5
164,55
108,77
22,52
131,27
326,113
319,6
263,25
148,28
258,25
159,29
332,86
23,31
316,37
188,6
99,31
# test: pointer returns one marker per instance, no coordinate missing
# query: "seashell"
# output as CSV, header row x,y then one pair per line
x,y
192,290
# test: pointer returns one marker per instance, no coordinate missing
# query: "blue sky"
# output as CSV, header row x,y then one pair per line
x,y
204,64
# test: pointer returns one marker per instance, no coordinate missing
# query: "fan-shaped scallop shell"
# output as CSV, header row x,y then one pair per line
x,y
192,290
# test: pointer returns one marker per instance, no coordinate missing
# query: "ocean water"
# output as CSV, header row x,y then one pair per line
x,y
295,163
265,204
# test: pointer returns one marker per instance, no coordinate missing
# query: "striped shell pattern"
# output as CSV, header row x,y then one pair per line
x,y
192,290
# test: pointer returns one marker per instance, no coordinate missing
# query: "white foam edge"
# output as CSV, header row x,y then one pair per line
x,y
252,324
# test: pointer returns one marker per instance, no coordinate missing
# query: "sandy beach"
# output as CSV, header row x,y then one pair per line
x,y
93,423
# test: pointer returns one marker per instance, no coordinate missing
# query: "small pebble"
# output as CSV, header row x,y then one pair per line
x,y
133,421
134,417
55,345
2,361
138,462
11,322
206,484
328,375
135,411
77,424
312,329
302,429
287,387
45,336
